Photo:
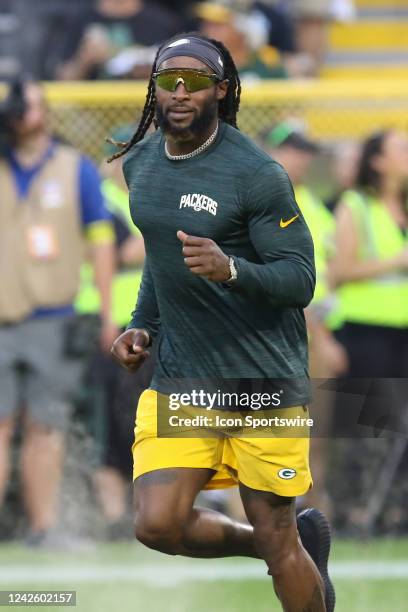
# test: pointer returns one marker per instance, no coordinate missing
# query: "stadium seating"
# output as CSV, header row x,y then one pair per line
x,y
374,45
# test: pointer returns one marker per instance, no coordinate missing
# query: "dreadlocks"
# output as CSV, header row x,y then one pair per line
x,y
227,107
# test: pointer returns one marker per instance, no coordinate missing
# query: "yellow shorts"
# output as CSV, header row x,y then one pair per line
x,y
276,464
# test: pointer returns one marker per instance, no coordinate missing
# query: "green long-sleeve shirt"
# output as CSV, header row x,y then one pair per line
x,y
235,194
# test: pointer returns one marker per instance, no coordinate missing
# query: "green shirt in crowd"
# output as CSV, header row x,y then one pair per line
x,y
235,194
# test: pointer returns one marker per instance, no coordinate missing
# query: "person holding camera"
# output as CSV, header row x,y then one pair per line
x,y
51,201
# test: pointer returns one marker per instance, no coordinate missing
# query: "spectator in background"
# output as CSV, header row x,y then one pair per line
x,y
117,38
311,19
371,270
282,36
287,143
372,264
260,51
344,165
51,199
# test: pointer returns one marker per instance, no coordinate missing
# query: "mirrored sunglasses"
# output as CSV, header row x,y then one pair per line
x,y
193,80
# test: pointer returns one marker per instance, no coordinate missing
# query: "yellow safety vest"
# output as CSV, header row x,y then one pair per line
x,y
126,282
322,227
382,300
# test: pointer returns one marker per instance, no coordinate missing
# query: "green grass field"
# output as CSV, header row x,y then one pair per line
x,y
127,577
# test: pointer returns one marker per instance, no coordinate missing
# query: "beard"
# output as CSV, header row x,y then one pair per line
x,y
198,126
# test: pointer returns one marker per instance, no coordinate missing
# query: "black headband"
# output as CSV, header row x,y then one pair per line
x,y
198,48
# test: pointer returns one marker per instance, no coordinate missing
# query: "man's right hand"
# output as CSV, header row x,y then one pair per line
x,y
129,348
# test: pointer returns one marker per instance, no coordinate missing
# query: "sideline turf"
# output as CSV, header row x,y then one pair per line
x,y
240,595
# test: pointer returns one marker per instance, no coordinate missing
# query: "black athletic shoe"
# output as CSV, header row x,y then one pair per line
x,y
314,532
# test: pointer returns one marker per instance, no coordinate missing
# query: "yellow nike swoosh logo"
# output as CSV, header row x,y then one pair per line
x,y
288,222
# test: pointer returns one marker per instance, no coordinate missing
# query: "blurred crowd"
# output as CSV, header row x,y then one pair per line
x,y
62,303
117,39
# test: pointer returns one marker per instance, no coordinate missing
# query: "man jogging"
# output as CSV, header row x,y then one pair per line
x,y
229,268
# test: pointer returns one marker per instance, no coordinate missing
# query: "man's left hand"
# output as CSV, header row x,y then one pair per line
x,y
205,258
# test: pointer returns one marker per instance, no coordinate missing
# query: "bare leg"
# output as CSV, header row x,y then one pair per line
x,y
6,430
41,469
167,521
296,579
112,491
